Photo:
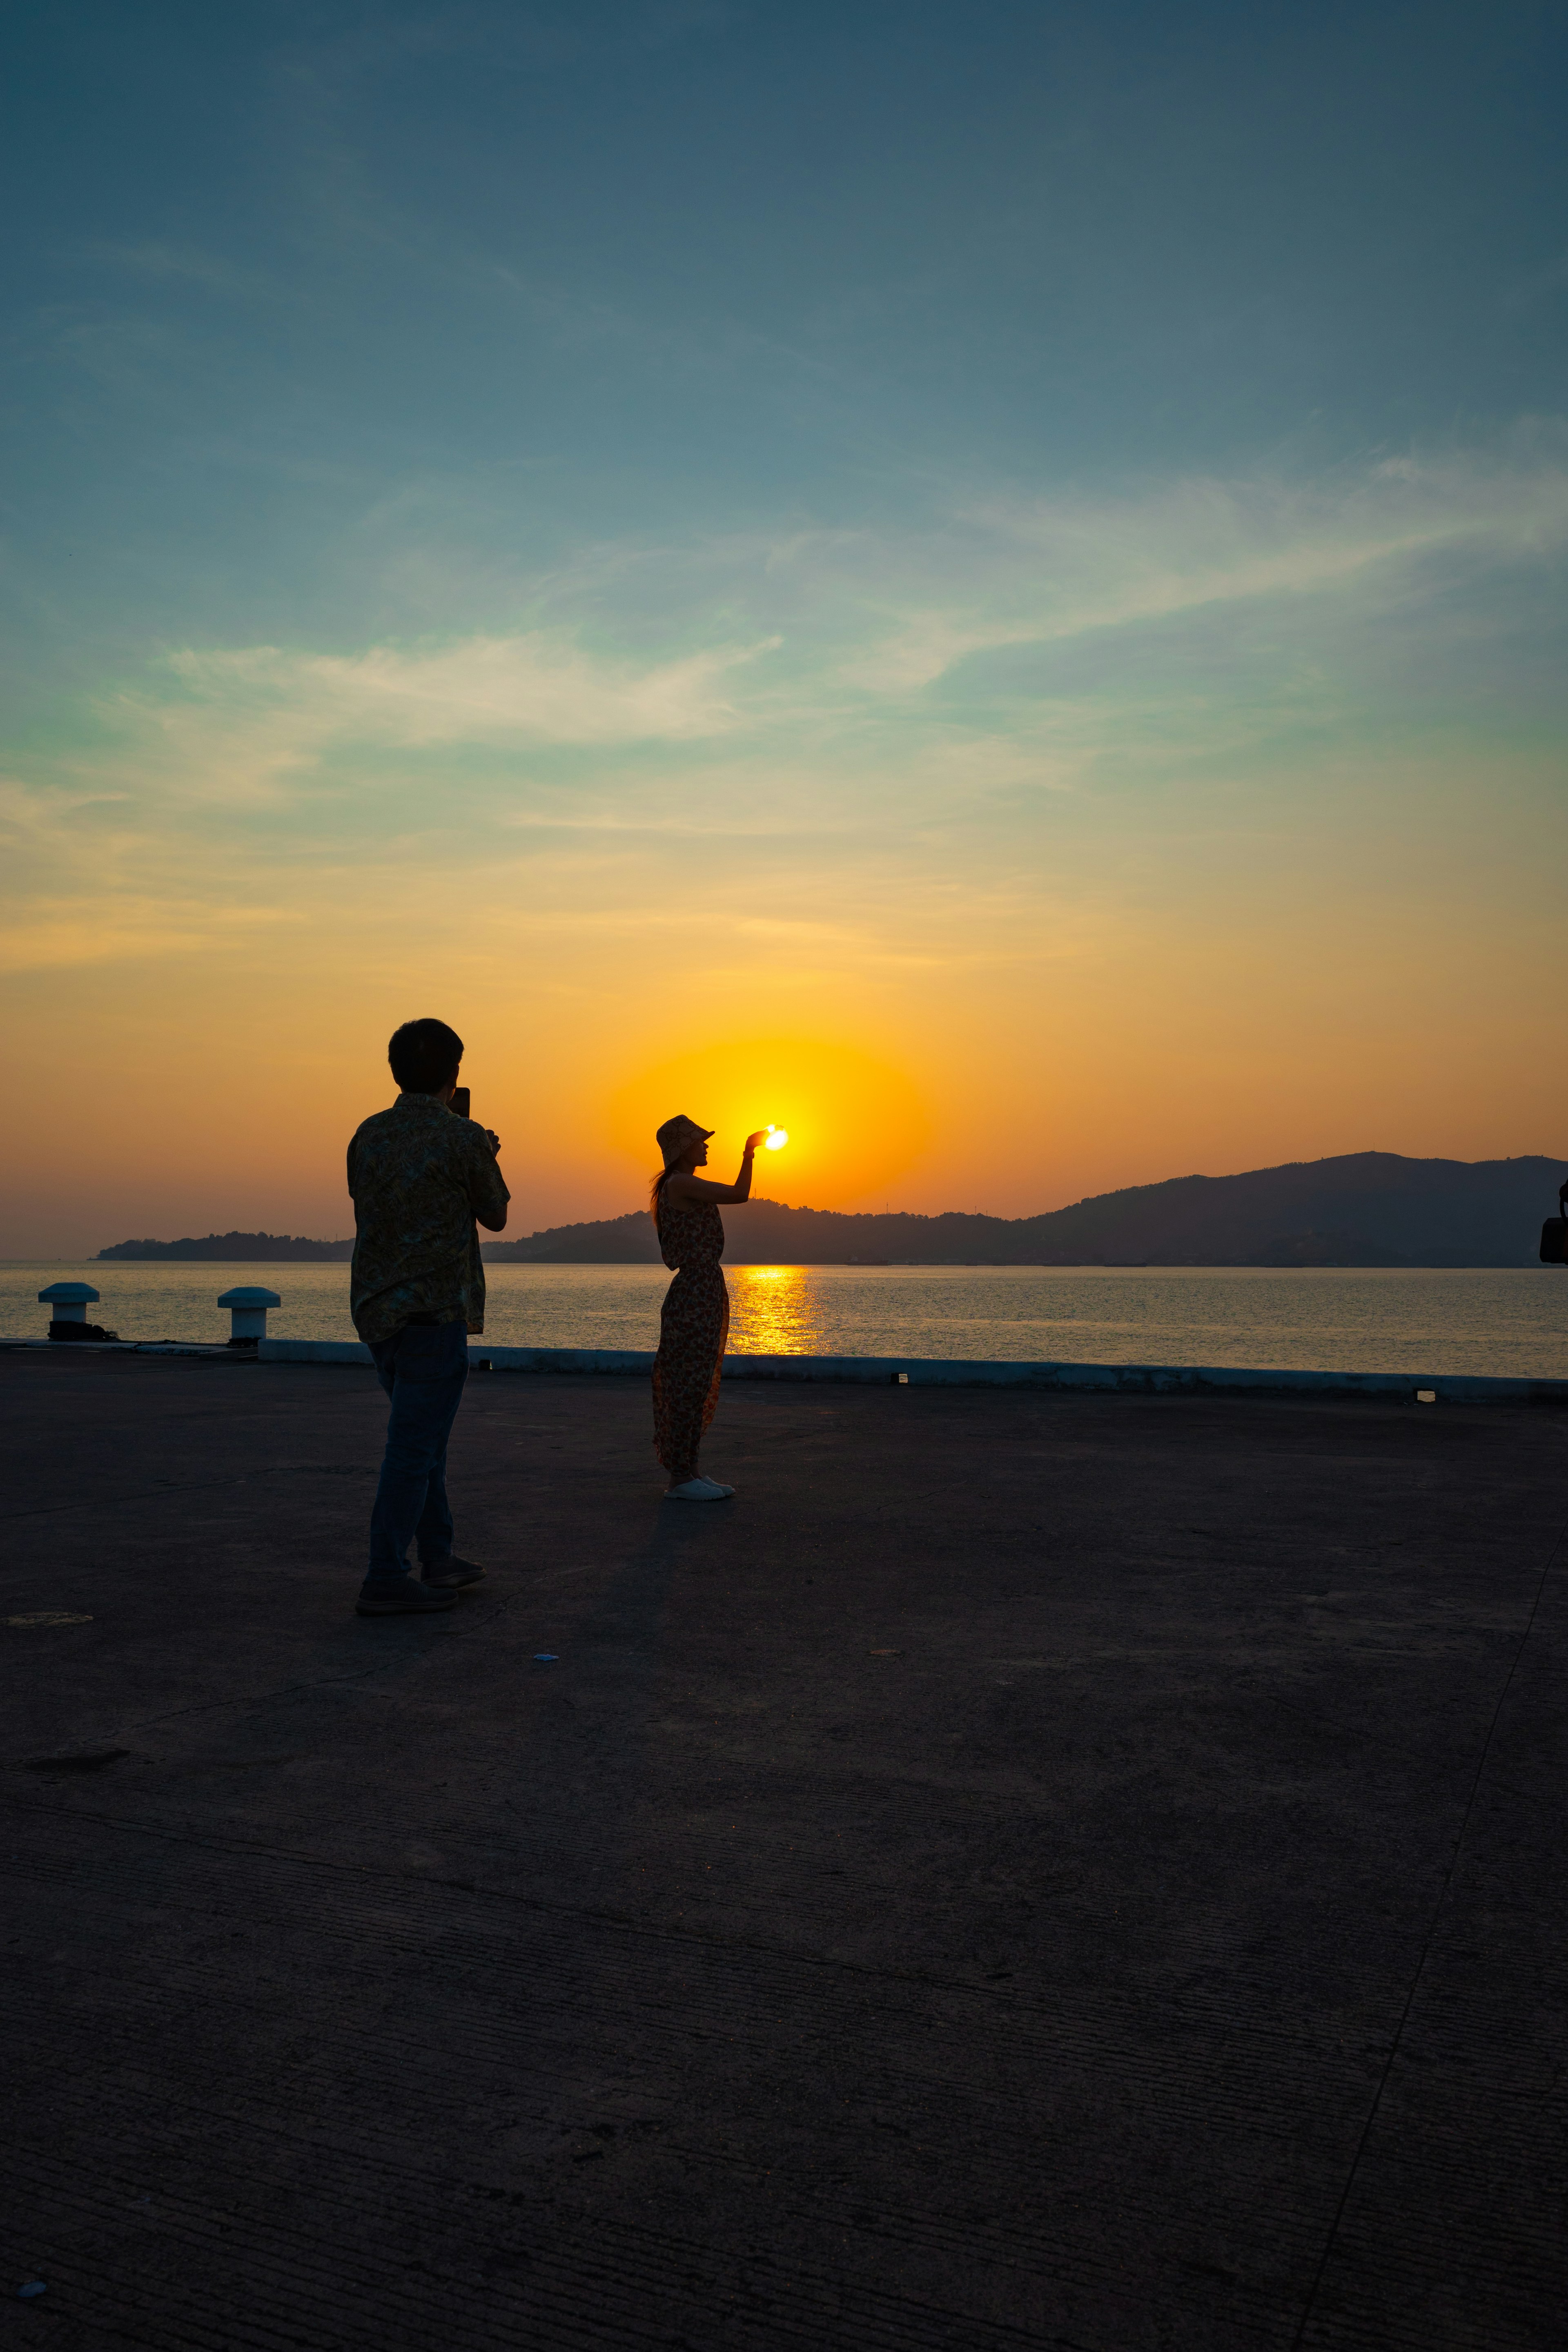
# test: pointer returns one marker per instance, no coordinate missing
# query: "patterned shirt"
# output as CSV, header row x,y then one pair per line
x,y
418,1173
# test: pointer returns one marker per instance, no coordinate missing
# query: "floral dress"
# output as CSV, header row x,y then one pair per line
x,y
692,1328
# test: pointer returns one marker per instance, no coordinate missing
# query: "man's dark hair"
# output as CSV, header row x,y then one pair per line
x,y
425,1056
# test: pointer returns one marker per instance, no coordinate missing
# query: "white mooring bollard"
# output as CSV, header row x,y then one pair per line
x,y
248,1307
68,1302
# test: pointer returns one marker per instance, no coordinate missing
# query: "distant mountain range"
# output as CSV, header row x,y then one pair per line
x,y
250,1249
1367,1208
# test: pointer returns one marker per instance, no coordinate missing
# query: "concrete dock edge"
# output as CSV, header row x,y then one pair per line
x,y
916,1371
939,1372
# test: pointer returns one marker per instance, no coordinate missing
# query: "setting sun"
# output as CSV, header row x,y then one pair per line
x,y
856,1123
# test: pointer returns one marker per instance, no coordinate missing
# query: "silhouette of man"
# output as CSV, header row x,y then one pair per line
x,y
420,1177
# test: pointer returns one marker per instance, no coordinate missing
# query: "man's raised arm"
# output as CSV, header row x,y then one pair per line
x,y
486,1189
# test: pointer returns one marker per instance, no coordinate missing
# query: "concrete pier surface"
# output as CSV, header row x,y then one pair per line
x,y
1034,1870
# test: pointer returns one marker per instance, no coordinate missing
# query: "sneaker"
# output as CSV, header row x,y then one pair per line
x,y
699,1490
405,1598
451,1574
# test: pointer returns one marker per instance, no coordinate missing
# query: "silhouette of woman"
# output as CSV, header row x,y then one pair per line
x,y
695,1320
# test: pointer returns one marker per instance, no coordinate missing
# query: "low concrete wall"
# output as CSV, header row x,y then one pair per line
x,y
936,1371
1140,1380
917,1372
312,1351
130,1347
480,1351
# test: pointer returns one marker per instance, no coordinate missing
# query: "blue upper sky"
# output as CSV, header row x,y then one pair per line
x,y
290,286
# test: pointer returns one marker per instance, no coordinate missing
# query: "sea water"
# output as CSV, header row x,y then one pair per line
x,y
1322,1319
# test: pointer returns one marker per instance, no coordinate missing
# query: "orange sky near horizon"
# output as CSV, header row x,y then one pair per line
x,y
1023,1058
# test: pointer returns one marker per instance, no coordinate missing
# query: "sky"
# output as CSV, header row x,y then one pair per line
x,y
983,583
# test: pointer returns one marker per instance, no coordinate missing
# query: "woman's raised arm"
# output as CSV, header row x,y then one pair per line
x,y
693,1189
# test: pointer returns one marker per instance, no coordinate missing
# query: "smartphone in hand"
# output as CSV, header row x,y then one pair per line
x,y
460,1101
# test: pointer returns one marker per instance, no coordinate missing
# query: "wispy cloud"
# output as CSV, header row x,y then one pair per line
x,y
541,688
114,927
257,722
156,263
811,695
1059,569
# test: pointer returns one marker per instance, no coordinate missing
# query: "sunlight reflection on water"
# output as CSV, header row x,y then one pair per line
x,y
770,1312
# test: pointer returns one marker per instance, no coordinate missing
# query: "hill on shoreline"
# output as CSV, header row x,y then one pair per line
x,y
1365,1208
248,1249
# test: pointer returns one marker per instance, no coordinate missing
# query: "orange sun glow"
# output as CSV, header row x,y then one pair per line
x,y
853,1123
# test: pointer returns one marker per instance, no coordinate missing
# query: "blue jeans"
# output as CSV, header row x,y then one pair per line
x,y
421,1367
